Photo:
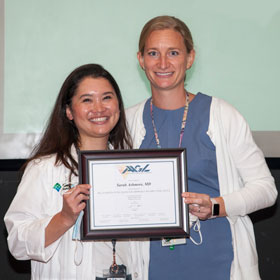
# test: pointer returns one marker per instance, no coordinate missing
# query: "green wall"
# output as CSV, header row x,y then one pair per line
x,y
237,45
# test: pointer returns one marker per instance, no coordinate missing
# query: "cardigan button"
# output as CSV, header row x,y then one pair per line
x,y
135,275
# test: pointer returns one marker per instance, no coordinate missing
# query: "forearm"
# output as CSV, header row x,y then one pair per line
x,y
249,199
56,228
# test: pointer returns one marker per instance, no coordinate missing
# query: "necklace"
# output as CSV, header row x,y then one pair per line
x,y
183,125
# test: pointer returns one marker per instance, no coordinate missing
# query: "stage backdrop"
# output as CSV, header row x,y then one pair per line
x,y
237,58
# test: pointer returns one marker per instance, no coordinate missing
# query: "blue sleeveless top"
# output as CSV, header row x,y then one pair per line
x,y
212,259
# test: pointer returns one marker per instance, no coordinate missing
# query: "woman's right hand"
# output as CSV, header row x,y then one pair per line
x,y
74,203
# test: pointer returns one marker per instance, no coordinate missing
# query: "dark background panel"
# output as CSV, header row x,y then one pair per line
x,y
11,269
267,232
266,225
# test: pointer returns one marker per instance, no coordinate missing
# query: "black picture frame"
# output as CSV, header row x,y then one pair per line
x,y
89,160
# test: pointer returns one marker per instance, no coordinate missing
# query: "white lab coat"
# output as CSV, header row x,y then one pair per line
x,y
34,205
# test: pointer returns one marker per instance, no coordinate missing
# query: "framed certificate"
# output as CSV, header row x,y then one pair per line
x,y
134,193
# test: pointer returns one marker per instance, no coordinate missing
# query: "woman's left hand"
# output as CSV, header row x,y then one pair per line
x,y
200,204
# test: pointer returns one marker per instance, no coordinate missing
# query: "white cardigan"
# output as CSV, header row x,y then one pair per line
x,y
246,184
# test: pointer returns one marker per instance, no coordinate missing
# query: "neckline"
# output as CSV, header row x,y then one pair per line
x,y
194,100
183,123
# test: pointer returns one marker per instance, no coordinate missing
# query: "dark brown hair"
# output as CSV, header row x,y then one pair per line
x,y
165,22
61,133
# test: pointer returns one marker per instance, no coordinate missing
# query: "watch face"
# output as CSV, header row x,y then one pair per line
x,y
216,210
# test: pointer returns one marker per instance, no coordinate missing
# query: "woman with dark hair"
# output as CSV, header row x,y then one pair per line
x,y
227,174
62,133
88,115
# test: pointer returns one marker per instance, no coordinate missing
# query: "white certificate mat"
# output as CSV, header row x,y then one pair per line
x,y
136,196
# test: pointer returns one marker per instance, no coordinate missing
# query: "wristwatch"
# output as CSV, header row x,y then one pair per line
x,y
215,208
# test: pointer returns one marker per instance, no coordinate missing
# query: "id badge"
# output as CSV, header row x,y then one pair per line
x,y
116,272
173,241
119,275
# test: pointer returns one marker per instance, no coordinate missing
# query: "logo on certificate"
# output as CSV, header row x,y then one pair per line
x,y
133,169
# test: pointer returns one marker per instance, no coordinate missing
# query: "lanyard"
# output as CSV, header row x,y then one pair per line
x,y
114,266
183,125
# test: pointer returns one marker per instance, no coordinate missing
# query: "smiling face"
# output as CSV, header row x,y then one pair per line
x,y
95,112
165,60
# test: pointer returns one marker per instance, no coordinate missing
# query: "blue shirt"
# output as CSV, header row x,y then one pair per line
x,y
212,259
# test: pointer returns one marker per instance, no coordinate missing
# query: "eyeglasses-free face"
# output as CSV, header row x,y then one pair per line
x,y
94,110
165,59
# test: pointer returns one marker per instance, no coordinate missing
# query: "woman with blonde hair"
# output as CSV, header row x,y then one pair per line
x,y
227,174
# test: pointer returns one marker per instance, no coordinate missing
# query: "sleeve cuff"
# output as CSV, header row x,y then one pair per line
x,y
35,241
234,205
